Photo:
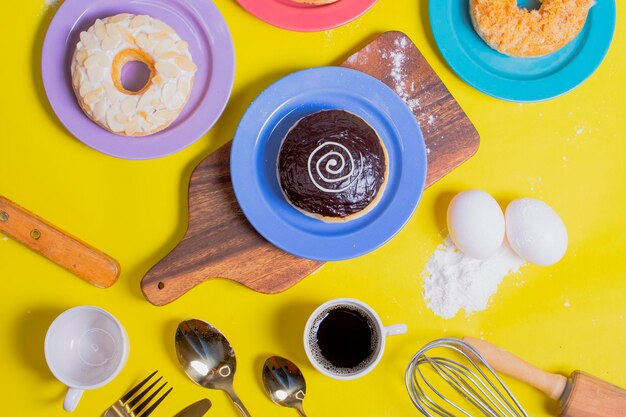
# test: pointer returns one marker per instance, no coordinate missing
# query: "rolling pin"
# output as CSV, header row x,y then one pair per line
x,y
81,259
580,395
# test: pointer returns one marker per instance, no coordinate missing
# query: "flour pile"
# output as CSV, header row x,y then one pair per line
x,y
454,281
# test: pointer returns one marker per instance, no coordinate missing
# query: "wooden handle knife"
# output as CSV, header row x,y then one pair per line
x,y
76,256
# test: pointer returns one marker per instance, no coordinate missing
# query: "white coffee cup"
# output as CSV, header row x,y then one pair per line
x,y
85,347
379,334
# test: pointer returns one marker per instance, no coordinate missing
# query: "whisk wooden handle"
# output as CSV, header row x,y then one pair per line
x,y
507,363
586,395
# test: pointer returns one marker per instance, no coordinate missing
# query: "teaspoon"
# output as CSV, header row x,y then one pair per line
x,y
207,358
284,383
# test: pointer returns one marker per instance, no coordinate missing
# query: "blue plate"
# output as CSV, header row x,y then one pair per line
x,y
267,121
520,79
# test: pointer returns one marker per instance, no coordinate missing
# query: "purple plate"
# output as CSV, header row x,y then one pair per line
x,y
198,22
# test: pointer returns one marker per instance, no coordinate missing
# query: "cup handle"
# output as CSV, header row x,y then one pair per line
x,y
72,398
395,329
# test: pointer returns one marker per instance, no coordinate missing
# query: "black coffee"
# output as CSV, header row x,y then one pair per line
x,y
345,338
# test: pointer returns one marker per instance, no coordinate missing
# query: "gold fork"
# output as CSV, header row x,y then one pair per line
x,y
130,405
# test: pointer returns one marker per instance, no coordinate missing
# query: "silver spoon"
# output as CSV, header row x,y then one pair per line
x,y
284,383
207,358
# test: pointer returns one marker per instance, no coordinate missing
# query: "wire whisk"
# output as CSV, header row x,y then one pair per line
x,y
463,386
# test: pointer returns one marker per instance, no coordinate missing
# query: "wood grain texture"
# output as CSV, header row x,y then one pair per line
x,y
221,243
450,136
592,397
78,257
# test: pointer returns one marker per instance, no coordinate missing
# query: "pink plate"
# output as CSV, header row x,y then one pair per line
x,y
288,14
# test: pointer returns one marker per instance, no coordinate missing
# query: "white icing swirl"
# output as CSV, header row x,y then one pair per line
x,y
334,164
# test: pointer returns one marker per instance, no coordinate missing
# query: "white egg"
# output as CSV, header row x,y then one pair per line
x,y
476,224
535,231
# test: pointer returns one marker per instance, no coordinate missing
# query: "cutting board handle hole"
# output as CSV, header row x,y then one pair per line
x,y
160,285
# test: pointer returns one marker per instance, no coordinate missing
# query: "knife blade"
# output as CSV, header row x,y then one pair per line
x,y
197,409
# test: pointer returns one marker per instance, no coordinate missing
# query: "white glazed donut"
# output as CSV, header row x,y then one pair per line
x,y
97,67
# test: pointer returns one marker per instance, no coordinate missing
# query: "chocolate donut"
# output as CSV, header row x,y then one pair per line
x,y
332,166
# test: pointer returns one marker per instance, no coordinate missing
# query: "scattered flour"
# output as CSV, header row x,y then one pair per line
x,y
566,302
403,88
398,58
453,281
535,183
413,103
330,40
48,4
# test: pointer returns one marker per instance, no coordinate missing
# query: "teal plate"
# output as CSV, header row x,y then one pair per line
x,y
520,79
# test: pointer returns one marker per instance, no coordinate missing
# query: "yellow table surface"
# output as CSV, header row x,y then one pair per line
x,y
569,152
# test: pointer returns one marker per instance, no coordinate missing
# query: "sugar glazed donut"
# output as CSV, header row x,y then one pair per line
x,y
528,33
97,65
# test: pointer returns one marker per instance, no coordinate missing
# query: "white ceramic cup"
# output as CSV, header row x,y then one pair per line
x,y
380,333
85,347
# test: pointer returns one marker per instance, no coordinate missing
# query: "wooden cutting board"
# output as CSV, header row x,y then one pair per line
x,y
221,243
